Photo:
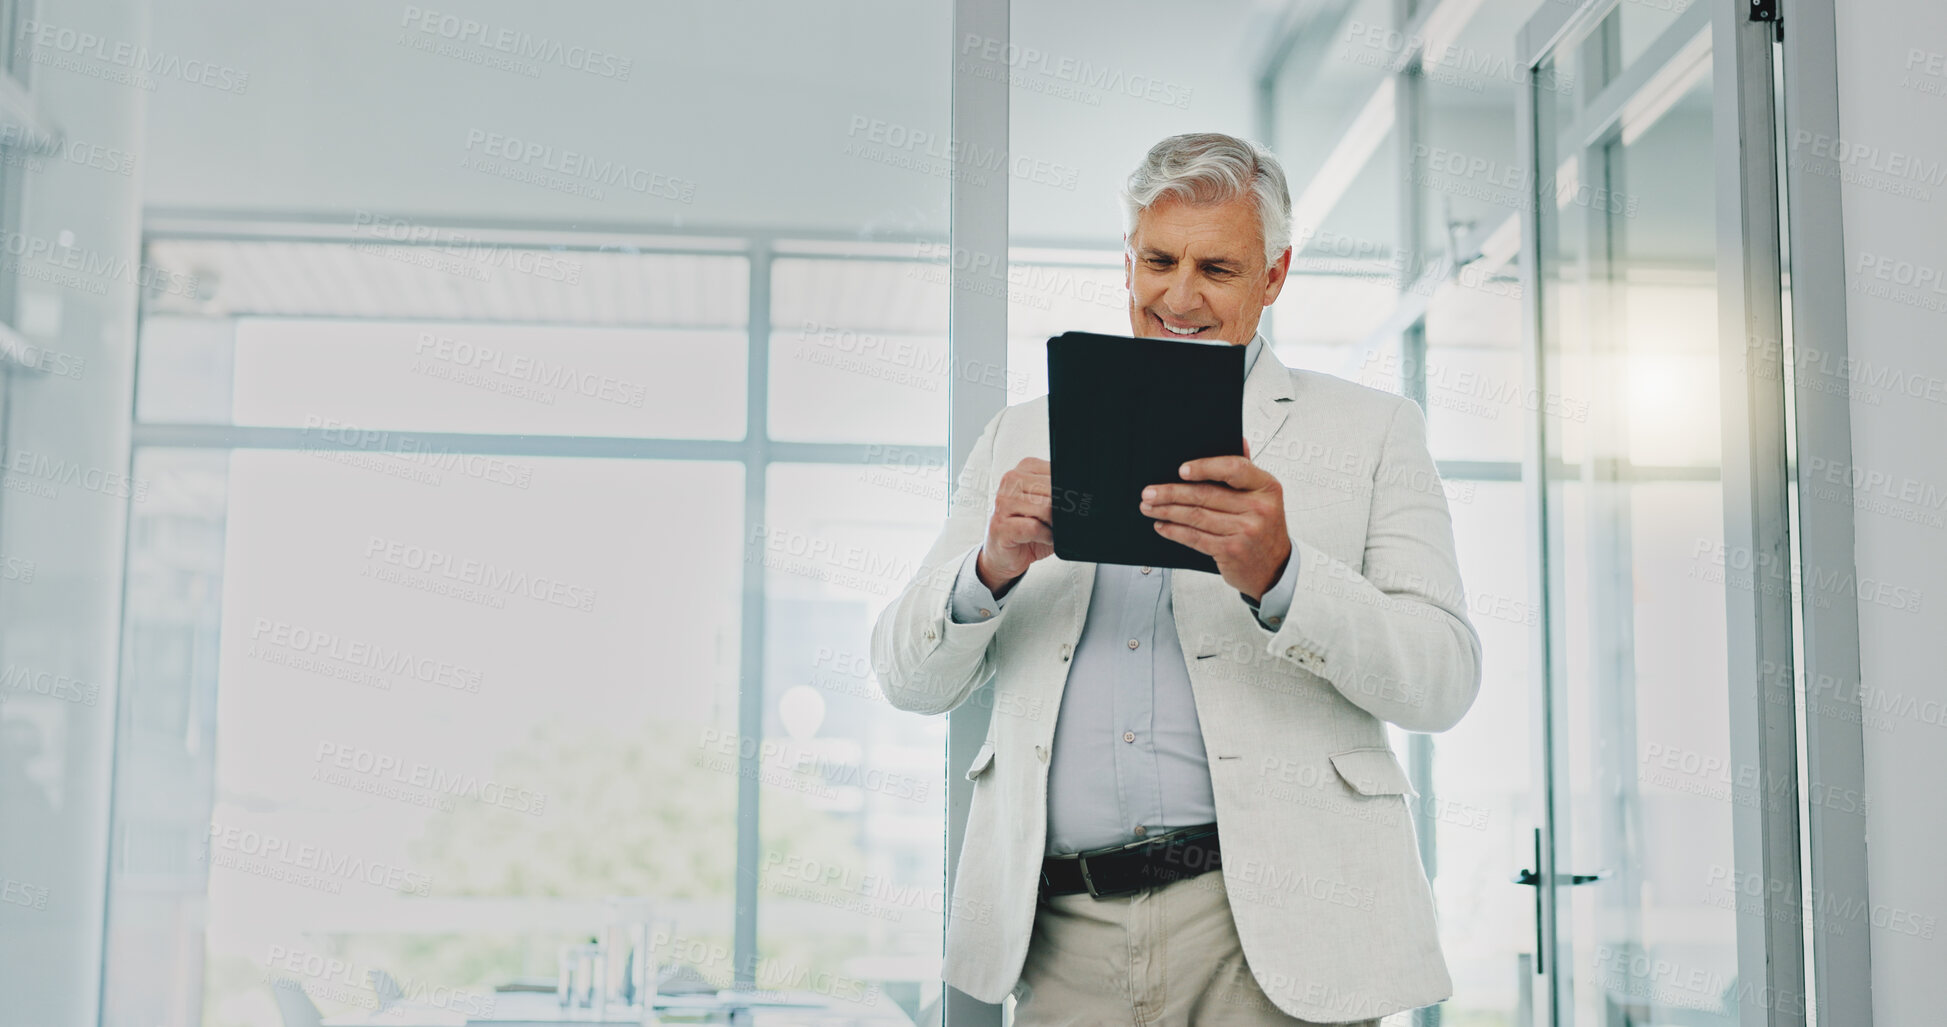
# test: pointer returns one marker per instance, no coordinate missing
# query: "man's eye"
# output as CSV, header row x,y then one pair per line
x,y
1159,263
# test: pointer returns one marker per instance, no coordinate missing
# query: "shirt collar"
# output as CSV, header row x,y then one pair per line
x,y
1251,351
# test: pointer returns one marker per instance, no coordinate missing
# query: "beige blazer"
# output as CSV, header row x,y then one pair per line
x,y
1320,862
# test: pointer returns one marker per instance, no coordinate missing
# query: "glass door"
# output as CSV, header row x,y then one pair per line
x,y
1639,882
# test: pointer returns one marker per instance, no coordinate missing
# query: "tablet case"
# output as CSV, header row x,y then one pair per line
x,y
1125,413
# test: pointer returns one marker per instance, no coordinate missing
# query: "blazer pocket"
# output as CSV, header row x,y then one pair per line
x,y
982,760
1372,771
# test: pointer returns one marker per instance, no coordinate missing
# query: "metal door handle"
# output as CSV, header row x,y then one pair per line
x,y
1532,878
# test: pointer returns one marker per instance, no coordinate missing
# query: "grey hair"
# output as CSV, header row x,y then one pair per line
x,y
1210,167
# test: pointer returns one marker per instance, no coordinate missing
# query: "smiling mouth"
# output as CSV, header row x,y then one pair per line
x,y
1182,332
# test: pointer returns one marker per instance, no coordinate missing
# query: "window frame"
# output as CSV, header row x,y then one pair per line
x,y
755,453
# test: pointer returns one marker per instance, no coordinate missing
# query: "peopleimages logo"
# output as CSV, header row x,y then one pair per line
x,y
383,450
919,149
1026,64
54,470
1382,46
305,864
514,373
386,768
474,256
21,893
42,359
138,66
358,653
336,979
1829,909
22,138
16,568
516,43
573,167
25,680
480,574
59,262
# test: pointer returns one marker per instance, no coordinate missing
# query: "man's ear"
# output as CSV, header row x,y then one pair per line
x,y
1128,266
1275,275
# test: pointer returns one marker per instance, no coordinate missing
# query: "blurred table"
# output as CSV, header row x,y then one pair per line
x,y
542,1009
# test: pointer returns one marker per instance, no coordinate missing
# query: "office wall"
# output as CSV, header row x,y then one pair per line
x,y
346,111
1893,100
64,508
1096,85
393,106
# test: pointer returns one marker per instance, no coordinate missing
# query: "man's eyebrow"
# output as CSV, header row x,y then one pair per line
x,y
1208,263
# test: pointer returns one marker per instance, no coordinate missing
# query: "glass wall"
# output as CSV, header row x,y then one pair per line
x,y
516,513
474,622
1635,540
1398,123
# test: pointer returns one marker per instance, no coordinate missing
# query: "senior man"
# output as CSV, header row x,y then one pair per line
x,y
1187,810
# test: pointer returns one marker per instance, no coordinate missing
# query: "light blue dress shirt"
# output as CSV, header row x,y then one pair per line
x,y
1128,757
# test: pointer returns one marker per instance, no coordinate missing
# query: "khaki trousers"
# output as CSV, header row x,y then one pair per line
x,y
1165,956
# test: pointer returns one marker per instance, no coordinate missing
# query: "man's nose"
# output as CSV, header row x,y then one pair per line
x,y
1180,298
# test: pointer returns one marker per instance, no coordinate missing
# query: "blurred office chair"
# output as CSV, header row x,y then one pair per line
x,y
388,989
293,1005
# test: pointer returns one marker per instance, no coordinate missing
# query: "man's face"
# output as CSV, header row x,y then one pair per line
x,y
1198,271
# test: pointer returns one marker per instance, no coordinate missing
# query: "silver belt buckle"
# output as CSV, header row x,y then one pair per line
x,y
1087,881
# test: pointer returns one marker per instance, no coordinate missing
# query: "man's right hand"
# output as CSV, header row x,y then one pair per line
x,y
1021,530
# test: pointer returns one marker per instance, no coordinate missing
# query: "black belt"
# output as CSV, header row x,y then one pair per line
x,y
1126,869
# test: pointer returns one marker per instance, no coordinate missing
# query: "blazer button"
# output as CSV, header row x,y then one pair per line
x,y
1041,753
929,634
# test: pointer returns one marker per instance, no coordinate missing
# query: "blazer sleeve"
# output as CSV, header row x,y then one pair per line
x,y
1392,636
925,661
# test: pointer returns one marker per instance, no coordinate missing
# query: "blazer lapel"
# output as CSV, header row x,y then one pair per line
x,y
1267,398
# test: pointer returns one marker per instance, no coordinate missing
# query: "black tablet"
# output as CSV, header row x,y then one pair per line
x,y
1125,413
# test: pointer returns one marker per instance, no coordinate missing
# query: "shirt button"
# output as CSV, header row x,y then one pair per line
x,y
1270,620
1041,753
1133,643
1141,830
1128,736
1146,570
986,613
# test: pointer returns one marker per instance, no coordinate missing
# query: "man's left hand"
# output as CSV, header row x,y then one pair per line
x,y
1231,510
